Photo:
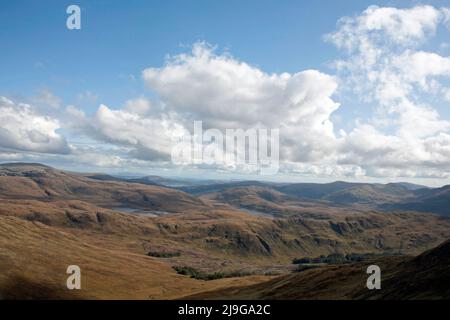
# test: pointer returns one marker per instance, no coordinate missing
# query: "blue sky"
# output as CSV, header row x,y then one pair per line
x,y
103,62
120,38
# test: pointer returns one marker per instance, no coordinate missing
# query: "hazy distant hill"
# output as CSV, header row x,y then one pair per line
x,y
426,200
410,186
336,192
156,181
387,197
371,194
220,187
350,193
315,190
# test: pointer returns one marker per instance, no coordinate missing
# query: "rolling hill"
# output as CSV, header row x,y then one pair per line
x,y
40,182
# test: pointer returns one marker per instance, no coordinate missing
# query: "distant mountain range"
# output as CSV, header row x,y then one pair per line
x,y
154,180
387,197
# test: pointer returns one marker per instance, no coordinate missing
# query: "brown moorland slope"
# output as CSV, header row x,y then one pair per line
x,y
226,235
40,182
426,276
34,259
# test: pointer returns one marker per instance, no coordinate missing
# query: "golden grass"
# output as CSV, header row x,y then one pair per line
x,y
36,255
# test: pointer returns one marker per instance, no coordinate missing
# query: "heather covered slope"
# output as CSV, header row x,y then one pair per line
x,y
34,258
426,276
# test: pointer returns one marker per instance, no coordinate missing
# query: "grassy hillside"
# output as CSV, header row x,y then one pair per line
x,y
426,276
34,258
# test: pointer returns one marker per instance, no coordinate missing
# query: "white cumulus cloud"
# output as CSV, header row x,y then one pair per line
x,y
386,66
224,92
22,128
